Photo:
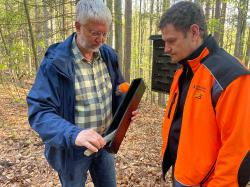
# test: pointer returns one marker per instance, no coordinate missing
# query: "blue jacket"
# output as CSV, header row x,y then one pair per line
x,y
51,102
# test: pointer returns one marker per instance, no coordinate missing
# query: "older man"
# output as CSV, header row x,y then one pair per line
x,y
73,98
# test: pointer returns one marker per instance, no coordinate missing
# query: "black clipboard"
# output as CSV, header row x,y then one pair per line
x,y
122,117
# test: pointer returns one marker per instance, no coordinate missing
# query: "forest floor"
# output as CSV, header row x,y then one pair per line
x,y
22,162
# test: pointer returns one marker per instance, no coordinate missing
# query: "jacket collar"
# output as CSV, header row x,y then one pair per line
x,y
61,56
194,60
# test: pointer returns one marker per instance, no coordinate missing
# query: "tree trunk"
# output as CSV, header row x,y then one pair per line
x,y
38,29
207,9
118,30
110,38
247,63
166,4
46,23
128,32
141,42
63,19
151,49
217,17
139,38
222,23
241,26
31,33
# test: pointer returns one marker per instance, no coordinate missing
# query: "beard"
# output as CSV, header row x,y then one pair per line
x,y
82,42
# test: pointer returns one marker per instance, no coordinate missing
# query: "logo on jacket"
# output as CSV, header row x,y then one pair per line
x,y
198,95
199,91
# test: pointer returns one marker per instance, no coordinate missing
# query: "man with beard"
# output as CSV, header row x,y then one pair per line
x,y
74,97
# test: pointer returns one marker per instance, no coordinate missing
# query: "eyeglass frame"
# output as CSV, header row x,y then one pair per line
x,y
96,34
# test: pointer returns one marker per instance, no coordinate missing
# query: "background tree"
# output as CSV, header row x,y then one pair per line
x,y
241,27
217,18
111,8
247,59
222,22
31,33
118,30
127,39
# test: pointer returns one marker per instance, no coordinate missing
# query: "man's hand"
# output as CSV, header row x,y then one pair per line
x,y
135,115
90,139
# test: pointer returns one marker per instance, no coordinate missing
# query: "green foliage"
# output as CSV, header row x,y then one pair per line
x,y
213,25
3,66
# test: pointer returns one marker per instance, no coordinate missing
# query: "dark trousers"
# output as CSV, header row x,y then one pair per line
x,y
101,167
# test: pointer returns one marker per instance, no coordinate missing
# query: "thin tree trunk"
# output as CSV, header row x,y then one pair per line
x,y
161,96
139,38
217,17
222,22
141,43
110,38
52,11
118,30
151,49
247,60
46,23
241,26
38,28
128,32
207,9
31,33
63,20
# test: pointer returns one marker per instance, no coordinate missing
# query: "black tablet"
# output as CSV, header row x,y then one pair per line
x,y
122,118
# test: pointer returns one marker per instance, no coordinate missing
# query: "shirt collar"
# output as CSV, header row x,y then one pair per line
x,y
78,55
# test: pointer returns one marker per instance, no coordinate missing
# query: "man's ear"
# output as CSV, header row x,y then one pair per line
x,y
195,30
77,26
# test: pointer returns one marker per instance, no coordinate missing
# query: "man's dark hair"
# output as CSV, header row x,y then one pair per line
x,y
184,14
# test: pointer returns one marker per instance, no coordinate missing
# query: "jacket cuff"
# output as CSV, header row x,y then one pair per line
x,y
74,135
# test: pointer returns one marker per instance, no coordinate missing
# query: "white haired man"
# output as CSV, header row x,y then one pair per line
x,y
73,99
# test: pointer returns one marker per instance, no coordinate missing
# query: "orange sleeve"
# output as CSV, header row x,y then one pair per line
x,y
233,122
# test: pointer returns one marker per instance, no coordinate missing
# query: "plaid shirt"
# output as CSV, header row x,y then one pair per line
x,y
93,90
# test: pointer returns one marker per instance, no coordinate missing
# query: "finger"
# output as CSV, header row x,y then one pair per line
x,y
133,118
98,141
102,141
91,147
135,112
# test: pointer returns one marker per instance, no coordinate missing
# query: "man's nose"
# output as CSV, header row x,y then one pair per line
x,y
100,38
167,49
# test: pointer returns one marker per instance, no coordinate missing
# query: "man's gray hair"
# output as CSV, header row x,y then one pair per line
x,y
93,10
182,15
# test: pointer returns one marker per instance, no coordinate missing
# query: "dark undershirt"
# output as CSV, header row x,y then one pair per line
x,y
174,134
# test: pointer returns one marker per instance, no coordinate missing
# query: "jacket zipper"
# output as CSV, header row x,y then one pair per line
x,y
171,105
208,175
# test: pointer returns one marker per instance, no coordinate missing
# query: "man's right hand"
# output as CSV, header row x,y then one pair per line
x,y
90,139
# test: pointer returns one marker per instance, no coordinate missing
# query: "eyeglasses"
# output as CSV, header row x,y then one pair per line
x,y
96,34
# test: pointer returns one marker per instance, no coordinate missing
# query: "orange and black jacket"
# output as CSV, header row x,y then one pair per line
x,y
206,129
